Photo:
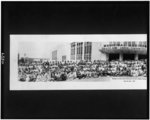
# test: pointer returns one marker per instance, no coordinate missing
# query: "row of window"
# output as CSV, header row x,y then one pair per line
x,y
79,48
124,48
133,44
87,48
87,51
79,51
87,57
79,57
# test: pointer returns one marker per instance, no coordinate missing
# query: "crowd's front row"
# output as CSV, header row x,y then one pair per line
x,y
62,72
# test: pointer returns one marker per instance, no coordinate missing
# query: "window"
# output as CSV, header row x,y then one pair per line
x,y
115,44
73,51
87,51
140,44
79,51
110,43
118,43
133,44
145,44
129,43
125,43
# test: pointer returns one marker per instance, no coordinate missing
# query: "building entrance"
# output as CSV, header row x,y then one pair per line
x,y
142,57
128,56
113,57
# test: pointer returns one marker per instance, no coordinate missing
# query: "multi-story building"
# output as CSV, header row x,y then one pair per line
x,y
126,50
90,51
54,55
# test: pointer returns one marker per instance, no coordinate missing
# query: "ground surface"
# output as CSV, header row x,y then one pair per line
x,y
106,79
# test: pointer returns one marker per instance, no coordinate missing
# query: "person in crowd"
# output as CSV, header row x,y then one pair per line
x,y
27,78
38,79
50,71
72,75
63,76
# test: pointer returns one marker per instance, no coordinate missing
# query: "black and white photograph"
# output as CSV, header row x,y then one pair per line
x,y
78,62
75,60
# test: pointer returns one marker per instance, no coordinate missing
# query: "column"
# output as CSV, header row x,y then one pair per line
x,y
83,51
120,57
136,57
75,51
107,57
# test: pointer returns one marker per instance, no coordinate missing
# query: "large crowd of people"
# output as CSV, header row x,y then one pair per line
x,y
63,71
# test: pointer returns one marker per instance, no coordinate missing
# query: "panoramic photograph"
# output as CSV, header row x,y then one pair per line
x,y
107,60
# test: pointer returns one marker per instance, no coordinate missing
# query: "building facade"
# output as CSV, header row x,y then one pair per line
x,y
127,50
88,51
105,51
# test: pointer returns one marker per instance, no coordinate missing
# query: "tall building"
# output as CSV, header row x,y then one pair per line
x,y
90,51
54,55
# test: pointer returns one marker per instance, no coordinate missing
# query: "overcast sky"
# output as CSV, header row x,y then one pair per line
x,y
41,46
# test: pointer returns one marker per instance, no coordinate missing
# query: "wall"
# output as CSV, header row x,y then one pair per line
x,y
96,53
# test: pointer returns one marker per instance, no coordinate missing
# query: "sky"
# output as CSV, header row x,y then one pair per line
x,y
41,46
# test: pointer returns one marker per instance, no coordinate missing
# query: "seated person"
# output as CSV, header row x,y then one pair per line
x,y
28,78
83,75
79,76
22,78
63,76
72,75
57,76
